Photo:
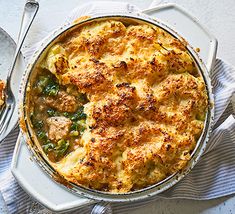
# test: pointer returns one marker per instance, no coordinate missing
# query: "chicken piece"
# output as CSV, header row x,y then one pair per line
x,y
58,127
2,86
64,102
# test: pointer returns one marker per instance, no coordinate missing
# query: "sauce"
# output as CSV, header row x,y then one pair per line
x,y
56,115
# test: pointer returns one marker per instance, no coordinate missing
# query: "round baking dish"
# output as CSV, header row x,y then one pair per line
x,y
100,195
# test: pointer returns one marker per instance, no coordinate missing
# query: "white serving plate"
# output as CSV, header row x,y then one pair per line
x,y
7,49
53,195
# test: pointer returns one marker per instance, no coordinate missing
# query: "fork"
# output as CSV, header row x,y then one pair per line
x,y
30,11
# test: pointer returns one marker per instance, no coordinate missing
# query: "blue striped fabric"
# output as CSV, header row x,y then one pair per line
x,y
212,177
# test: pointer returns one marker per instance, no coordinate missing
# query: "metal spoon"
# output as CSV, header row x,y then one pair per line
x,y
30,11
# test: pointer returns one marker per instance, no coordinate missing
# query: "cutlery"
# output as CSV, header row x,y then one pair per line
x,y
30,11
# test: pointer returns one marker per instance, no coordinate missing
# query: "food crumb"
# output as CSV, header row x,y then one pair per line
x,y
198,50
2,87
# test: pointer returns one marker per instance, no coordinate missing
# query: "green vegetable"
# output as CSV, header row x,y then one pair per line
x,y
79,115
82,129
78,126
42,135
38,124
62,147
82,116
47,85
51,89
74,126
51,112
66,114
48,147
74,133
42,82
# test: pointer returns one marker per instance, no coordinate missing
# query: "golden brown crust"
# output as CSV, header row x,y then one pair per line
x,y
80,19
146,106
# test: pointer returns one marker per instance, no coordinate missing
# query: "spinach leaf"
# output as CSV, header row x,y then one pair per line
x,y
78,126
51,112
82,129
42,135
62,147
38,124
79,115
48,147
52,88
47,85
74,126
66,114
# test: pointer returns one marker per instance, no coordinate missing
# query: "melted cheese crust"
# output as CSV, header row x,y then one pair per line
x,y
147,104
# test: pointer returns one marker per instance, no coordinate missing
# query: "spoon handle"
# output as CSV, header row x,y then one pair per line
x,y
30,11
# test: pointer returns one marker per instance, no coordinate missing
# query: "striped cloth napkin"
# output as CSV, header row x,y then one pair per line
x,y
212,177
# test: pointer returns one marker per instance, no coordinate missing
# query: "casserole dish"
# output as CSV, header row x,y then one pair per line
x,y
148,191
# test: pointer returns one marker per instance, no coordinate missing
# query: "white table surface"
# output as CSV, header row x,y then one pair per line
x,y
217,15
